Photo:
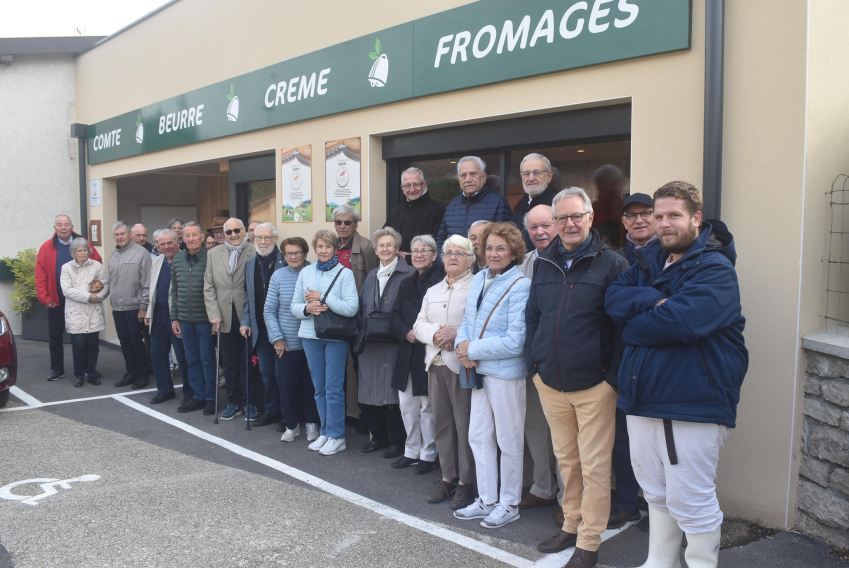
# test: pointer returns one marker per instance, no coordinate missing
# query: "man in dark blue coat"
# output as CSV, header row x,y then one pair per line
x,y
681,372
476,203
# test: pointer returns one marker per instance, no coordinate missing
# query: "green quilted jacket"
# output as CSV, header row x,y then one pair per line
x,y
187,288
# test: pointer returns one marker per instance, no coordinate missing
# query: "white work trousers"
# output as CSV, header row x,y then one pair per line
x,y
418,421
497,420
687,491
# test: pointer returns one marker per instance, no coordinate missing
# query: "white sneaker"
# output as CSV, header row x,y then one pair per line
x,y
477,510
333,446
500,516
312,431
318,444
289,435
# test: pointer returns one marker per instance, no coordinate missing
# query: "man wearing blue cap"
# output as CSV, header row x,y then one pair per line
x,y
638,218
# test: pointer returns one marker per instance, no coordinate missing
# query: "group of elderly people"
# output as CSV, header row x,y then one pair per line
x,y
469,350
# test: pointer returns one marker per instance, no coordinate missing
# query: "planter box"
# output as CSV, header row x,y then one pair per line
x,y
35,327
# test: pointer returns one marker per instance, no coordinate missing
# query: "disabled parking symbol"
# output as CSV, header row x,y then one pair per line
x,y
48,488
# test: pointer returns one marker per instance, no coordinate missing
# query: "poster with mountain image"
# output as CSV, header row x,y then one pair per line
x,y
297,184
342,174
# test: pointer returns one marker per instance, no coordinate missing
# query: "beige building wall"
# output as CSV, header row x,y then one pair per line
x,y
764,158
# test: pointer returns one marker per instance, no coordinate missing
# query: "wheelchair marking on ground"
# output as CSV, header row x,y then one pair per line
x,y
414,522
48,488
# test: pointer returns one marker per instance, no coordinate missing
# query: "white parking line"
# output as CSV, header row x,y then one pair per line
x,y
30,401
70,400
551,560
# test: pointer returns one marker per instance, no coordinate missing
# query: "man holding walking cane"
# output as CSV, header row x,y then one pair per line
x,y
224,296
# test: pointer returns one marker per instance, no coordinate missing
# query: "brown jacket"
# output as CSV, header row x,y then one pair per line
x,y
221,291
363,259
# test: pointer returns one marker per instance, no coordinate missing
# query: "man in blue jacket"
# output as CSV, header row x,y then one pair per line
x,y
573,350
476,203
680,377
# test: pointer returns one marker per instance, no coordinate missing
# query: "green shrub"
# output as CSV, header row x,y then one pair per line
x,y
23,296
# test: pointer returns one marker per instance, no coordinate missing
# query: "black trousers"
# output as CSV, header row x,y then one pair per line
x,y
234,351
55,329
86,348
132,345
295,382
386,425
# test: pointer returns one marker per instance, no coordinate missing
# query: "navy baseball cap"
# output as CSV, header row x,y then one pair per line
x,y
641,198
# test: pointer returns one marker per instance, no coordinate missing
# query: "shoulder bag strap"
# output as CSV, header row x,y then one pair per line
x,y
496,305
326,292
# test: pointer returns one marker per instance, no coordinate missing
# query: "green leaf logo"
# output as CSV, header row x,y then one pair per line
x,y
138,120
376,53
232,92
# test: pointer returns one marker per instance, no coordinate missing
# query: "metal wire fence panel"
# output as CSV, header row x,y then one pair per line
x,y
837,282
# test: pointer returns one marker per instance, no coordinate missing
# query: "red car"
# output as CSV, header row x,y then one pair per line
x,y
8,360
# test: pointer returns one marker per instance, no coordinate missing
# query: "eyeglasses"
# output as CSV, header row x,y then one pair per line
x,y
386,246
346,223
454,254
645,215
423,252
500,250
535,173
294,254
544,227
229,232
264,238
409,186
576,218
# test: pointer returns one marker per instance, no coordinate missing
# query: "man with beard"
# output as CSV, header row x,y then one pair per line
x,y
536,173
681,372
258,271
224,296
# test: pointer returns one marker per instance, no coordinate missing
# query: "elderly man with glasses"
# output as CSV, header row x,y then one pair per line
x,y
536,174
258,272
355,251
417,214
640,225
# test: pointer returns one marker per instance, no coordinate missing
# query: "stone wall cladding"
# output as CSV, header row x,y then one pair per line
x,y
823,491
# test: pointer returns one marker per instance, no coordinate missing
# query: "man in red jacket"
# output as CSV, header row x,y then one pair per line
x,y
48,266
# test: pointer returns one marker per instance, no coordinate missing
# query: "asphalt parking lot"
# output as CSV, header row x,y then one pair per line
x,y
114,481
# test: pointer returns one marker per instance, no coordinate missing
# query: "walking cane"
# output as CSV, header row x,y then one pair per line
x,y
248,383
217,372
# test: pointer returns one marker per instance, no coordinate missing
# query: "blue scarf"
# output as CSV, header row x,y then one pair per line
x,y
325,266
573,254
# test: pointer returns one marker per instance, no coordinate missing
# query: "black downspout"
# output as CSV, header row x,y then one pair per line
x,y
79,131
714,89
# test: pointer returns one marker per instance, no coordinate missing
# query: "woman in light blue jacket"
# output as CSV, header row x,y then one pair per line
x,y
489,345
326,358
293,373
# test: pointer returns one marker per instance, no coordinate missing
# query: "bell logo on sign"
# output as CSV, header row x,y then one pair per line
x,y
233,107
380,70
139,130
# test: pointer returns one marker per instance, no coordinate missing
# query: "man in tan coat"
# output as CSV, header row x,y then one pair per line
x,y
224,296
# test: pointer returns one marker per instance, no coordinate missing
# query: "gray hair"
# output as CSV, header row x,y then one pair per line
x,y
265,225
163,232
56,218
174,221
156,234
193,224
121,225
346,209
478,224
481,164
426,240
544,206
241,225
386,232
459,241
79,243
572,192
412,171
535,156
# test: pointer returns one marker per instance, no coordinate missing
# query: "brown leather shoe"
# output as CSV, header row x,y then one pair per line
x,y
583,559
529,501
558,543
559,518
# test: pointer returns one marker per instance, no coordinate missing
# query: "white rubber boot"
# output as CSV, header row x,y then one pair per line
x,y
703,550
664,541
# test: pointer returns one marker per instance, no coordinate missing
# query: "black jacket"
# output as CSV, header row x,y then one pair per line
x,y
412,218
524,205
571,341
411,356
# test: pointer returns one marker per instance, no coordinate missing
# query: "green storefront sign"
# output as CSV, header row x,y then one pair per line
x,y
477,44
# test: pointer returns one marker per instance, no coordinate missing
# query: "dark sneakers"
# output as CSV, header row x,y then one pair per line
x,y
558,543
373,446
443,491
403,462
618,517
281,426
141,383
55,375
94,378
531,501
266,419
424,467
209,409
79,381
195,404
162,397
392,452
126,381
463,497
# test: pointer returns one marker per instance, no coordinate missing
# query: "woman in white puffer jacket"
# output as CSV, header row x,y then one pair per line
x,y
84,316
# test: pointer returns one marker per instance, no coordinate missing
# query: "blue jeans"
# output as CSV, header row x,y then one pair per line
x,y
626,483
199,345
327,361
162,338
268,368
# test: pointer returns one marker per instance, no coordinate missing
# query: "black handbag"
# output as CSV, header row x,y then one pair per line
x,y
376,327
330,325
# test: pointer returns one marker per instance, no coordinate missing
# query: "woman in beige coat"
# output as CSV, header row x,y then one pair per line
x,y
84,316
